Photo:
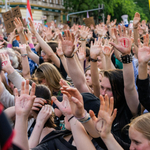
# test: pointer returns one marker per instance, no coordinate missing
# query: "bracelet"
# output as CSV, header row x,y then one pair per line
x,y
70,118
126,59
82,39
86,119
24,55
82,117
93,60
68,56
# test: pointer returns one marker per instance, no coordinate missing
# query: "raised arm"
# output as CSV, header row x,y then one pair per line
x,y
80,136
124,46
107,51
19,28
74,71
46,48
23,106
143,79
41,119
25,63
94,52
136,21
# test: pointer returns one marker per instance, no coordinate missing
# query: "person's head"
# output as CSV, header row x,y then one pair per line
x,y
112,84
42,92
48,74
139,132
88,77
53,45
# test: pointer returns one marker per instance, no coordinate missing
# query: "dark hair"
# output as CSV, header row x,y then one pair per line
x,y
117,84
53,45
42,91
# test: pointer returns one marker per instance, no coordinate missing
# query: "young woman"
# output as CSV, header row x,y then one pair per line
x,y
48,75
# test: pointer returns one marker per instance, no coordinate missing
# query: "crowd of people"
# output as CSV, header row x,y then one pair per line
x,y
78,87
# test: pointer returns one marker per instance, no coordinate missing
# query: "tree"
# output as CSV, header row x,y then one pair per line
x,y
116,8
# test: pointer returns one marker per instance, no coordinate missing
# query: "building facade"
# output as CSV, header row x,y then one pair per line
x,y
52,9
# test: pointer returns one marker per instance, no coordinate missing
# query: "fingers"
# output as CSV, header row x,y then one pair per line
x,y
33,89
40,101
93,117
54,99
23,88
77,102
63,82
16,92
27,87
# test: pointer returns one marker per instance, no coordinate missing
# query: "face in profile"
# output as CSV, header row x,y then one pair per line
x,y
138,140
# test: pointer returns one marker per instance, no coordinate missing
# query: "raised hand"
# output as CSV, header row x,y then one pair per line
x,y
75,100
108,19
12,35
136,20
44,114
49,34
67,43
76,44
107,50
84,31
6,64
24,102
124,41
18,24
63,106
101,30
144,50
82,53
28,34
106,116
59,49
32,26
95,48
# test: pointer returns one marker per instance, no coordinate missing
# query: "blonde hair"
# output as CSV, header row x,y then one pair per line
x,y
48,72
142,125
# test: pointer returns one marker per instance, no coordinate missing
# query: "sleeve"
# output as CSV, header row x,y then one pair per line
x,y
62,70
143,91
16,79
6,98
15,43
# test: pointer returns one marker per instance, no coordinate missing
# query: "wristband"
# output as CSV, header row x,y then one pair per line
x,y
82,39
86,119
82,117
126,59
93,60
70,118
68,56
24,55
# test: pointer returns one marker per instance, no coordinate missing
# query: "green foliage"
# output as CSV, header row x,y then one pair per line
x,y
116,8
